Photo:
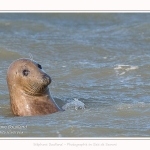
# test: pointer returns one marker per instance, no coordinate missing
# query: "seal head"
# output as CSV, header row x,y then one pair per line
x,y
28,89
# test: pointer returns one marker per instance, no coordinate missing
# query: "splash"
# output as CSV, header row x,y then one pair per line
x,y
75,105
31,57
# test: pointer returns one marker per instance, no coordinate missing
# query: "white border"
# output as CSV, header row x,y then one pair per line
x,y
80,143
74,5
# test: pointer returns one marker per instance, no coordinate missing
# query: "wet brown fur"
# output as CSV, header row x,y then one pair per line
x,y
29,95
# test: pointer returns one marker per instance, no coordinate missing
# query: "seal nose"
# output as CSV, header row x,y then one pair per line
x,y
47,78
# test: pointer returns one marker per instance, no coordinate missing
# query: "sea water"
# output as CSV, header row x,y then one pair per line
x,y
99,61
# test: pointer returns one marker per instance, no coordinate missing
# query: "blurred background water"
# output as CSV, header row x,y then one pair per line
x,y
100,59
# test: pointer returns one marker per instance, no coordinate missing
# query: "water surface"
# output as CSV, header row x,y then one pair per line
x,y
101,59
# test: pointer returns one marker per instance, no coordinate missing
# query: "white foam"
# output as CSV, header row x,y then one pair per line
x,y
132,68
64,66
104,57
122,69
75,104
122,73
126,67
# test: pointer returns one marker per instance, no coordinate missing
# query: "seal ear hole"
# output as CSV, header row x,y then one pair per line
x,y
39,66
25,72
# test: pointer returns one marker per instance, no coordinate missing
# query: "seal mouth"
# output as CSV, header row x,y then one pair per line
x,y
40,87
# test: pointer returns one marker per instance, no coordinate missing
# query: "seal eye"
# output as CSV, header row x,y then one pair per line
x,y
39,66
25,72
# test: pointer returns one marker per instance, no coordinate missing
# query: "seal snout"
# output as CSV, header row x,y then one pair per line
x,y
46,78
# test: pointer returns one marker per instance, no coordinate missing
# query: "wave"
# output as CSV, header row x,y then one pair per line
x,y
8,55
133,106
